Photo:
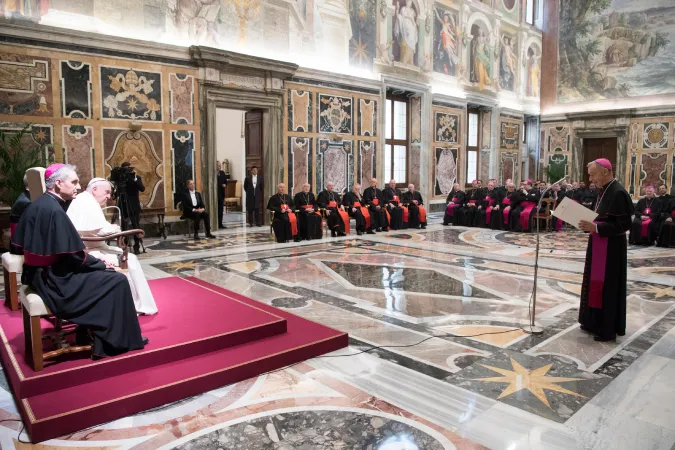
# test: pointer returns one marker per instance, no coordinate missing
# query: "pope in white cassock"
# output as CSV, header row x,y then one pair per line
x,y
86,214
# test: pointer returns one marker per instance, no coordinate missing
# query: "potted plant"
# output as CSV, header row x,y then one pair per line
x,y
17,154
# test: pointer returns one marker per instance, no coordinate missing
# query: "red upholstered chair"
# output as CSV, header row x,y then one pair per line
x,y
34,308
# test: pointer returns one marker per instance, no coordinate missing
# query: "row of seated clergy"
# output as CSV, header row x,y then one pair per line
x,y
374,211
653,220
499,209
72,283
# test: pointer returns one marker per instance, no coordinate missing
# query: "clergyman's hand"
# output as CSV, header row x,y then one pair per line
x,y
669,219
587,226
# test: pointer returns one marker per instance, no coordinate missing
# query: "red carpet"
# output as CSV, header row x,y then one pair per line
x,y
131,389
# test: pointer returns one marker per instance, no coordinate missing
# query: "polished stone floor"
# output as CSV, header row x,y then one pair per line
x,y
440,356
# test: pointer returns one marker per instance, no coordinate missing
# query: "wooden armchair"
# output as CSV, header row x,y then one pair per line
x,y
546,215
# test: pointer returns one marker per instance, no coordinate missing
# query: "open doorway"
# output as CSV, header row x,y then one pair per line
x,y
595,148
231,152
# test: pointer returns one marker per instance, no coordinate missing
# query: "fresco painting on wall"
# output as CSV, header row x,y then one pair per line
x,y
405,32
362,14
615,49
445,43
507,63
533,71
480,57
446,170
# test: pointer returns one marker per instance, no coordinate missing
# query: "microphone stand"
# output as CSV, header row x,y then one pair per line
x,y
534,329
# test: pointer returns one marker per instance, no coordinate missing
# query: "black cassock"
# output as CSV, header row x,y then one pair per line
x,y
363,222
588,198
603,293
415,218
392,198
509,221
334,219
468,212
456,198
645,232
529,203
667,233
309,226
284,224
74,285
490,200
374,198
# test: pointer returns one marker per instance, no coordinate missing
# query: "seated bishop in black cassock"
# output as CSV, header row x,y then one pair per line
x,y
355,206
528,206
645,227
284,223
468,211
667,232
375,202
417,213
506,215
309,215
398,214
74,285
454,201
336,216
492,198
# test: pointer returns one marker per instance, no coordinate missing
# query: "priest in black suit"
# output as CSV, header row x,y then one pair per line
x,y
221,182
398,214
311,222
418,214
194,208
374,199
454,201
253,187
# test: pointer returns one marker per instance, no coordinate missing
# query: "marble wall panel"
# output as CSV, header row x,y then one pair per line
x,y
182,162
416,119
486,129
655,136
484,169
144,150
508,167
78,150
653,169
559,139
367,162
335,164
560,161
182,98
446,170
446,127
131,94
509,135
75,85
41,135
300,111
25,85
299,160
335,114
415,162
367,117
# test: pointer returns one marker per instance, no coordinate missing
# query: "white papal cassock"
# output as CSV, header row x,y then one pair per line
x,y
89,220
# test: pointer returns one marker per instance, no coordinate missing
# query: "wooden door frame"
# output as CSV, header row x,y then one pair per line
x,y
584,173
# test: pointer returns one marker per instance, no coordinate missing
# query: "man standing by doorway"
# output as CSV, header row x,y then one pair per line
x,y
221,182
253,186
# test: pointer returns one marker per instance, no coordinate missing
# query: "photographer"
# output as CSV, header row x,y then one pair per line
x,y
131,212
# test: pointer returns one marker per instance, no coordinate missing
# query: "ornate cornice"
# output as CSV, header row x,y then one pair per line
x,y
226,61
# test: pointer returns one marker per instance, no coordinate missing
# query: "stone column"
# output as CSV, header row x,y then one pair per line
x,y
420,42
494,147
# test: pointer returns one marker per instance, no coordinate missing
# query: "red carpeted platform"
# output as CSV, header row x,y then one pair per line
x,y
77,405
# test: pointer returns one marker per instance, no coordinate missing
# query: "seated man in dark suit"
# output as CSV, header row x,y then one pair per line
x,y
194,208
19,206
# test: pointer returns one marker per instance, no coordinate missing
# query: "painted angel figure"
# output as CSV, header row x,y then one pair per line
x,y
507,64
448,42
405,32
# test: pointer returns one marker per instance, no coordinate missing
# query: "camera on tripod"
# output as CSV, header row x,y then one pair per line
x,y
123,178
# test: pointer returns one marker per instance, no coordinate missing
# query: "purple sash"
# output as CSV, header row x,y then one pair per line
x,y
450,210
598,263
644,232
488,210
506,201
525,215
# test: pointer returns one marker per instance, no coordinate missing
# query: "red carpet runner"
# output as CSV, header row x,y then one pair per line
x,y
204,337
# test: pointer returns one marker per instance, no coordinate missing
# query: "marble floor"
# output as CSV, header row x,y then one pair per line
x,y
440,356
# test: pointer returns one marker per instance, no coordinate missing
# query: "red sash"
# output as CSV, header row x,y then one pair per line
x,y
388,217
31,259
405,214
423,214
343,215
395,199
488,210
332,204
292,219
672,214
525,215
365,212
310,207
376,201
598,263
12,227
507,202
473,202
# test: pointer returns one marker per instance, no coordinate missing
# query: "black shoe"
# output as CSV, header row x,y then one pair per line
x,y
145,340
379,230
424,227
222,227
340,234
359,233
210,236
370,232
386,230
196,236
297,239
82,337
333,233
586,329
604,339
445,224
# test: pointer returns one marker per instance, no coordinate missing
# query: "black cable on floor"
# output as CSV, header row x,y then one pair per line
x,y
23,427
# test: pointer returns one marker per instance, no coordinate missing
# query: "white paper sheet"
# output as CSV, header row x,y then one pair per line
x,y
572,212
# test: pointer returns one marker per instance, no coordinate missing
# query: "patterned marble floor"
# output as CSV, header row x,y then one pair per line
x,y
439,356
